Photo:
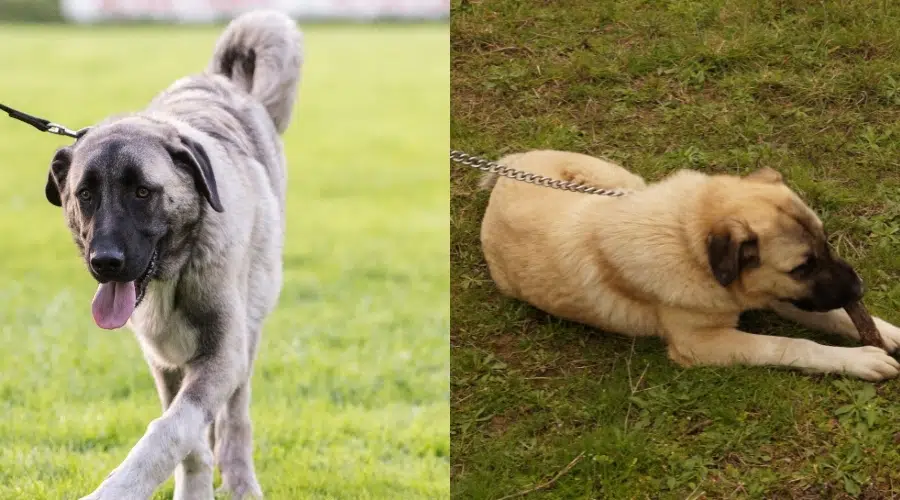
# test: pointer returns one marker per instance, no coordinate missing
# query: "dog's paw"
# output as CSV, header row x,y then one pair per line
x,y
869,363
889,333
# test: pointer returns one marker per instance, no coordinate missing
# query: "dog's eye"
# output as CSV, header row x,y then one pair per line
x,y
804,269
142,192
84,195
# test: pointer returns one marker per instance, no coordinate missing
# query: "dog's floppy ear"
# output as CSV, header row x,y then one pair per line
x,y
189,154
56,177
765,174
731,247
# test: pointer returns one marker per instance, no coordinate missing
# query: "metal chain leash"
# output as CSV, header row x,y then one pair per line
x,y
502,170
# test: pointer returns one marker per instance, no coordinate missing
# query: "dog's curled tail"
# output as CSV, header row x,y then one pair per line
x,y
488,181
262,53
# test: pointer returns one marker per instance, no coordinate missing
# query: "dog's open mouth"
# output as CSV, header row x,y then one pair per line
x,y
115,301
142,282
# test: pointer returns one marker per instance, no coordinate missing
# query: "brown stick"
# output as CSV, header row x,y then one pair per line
x,y
864,324
546,484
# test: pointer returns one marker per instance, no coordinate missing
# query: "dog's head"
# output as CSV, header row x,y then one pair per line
x,y
768,245
129,189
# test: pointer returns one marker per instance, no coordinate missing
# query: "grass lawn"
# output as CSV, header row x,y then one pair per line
x,y
809,88
351,387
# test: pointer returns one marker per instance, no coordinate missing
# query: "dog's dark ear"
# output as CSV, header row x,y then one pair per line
x,y
765,174
731,247
189,154
56,177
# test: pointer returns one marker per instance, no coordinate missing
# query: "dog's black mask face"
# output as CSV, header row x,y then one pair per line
x,y
831,281
117,186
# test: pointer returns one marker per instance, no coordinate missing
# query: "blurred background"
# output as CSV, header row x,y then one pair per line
x,y
351,386
211,10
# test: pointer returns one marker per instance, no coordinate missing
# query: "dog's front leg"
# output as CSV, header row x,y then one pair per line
x,y
194,475
698,344
179,431
837,321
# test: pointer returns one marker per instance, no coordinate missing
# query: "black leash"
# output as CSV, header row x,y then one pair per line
x,y
42,124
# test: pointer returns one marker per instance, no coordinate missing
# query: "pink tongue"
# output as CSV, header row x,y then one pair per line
x,y
113,304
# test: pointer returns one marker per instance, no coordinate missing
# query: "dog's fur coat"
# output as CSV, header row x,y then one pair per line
x,y
679,259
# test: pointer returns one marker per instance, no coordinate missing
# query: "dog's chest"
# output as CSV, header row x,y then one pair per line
x,y
165,336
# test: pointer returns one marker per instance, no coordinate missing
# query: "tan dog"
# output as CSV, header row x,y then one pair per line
x,y
679,259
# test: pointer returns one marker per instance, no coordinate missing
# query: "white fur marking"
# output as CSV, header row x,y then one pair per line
x,y
164,335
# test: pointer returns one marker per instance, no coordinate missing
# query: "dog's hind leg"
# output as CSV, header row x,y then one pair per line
x,y
194,475
838,322
234,446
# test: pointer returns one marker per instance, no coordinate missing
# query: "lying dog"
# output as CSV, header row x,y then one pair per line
x,y
178,211
679,259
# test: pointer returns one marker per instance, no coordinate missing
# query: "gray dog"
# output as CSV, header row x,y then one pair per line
x,y
178,211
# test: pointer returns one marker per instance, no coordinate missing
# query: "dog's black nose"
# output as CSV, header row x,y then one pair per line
x,y
107,261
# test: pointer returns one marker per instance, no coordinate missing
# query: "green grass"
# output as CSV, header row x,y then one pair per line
x,y
809,88
350,393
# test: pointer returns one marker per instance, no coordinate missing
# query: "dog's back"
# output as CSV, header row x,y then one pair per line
x,y
526,233
237,109
246,97
569,167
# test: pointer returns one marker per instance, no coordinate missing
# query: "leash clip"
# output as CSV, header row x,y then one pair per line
x,y
55,128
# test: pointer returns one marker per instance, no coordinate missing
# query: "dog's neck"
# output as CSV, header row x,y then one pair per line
x,y
656,225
